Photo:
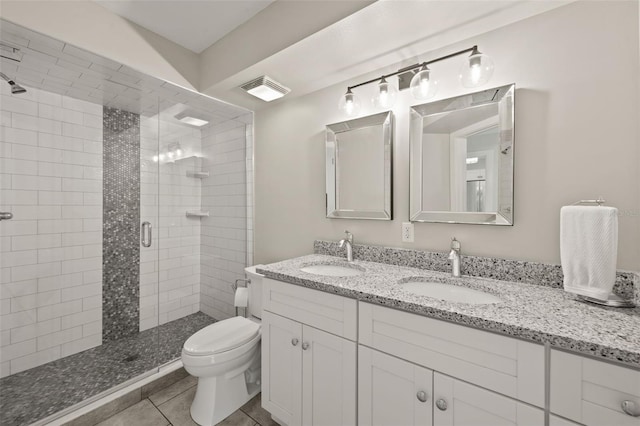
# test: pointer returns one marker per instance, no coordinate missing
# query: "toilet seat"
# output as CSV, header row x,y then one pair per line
x,y
222,336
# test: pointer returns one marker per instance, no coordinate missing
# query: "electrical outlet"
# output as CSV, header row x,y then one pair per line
x,y
407,232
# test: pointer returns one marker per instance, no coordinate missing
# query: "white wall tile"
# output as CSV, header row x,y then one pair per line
x,y
53,185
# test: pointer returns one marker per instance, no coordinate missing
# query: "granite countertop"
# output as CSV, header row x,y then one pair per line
x,y
527,311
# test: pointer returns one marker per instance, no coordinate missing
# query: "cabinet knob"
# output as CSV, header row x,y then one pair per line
x,y
441,404
305,346
630,408
294,341
422,396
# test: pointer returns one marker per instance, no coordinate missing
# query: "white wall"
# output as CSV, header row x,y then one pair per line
x,y
576,70
51,276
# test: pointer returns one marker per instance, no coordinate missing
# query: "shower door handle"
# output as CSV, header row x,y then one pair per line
x,y
146,234
6,215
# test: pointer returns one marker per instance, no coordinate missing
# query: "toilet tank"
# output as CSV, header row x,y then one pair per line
x,y
255,291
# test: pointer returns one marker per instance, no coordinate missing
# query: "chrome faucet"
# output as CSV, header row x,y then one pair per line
x,y
348,241
454,256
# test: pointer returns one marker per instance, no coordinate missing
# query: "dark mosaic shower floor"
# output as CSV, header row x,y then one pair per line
x,y
34,394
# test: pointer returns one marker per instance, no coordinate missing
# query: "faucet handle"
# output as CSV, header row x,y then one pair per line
x,y
348,236
455,244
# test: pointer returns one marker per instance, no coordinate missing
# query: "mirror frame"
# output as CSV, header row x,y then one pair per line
x,y
385,121
504,97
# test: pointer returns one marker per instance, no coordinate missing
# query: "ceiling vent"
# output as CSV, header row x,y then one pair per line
x,y
265,88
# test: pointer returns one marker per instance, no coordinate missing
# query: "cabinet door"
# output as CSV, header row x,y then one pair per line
x,y
328,379
388,390
282,368
592,392
458,403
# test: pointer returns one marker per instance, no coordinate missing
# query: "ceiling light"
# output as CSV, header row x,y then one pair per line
x,y
187,117
193,121
265,88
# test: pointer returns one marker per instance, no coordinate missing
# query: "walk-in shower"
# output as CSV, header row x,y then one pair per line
x,y
89,152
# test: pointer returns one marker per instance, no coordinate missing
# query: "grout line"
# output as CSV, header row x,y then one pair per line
x,y
160,411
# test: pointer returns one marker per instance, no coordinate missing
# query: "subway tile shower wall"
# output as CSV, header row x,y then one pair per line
x,y
51,267
227,154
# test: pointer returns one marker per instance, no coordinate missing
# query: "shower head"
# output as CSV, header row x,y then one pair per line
x,y
15,87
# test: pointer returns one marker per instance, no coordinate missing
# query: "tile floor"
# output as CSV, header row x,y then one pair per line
x,y
47,389
170,407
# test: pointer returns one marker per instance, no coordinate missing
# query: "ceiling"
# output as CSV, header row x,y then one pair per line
x,y
379,35
55,66
194,25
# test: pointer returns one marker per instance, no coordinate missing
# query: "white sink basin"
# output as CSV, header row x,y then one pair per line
x,y
332,270
450,292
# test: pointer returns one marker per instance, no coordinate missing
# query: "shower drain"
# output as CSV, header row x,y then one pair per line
x,y
131,358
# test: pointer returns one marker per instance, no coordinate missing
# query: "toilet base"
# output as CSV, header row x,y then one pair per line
x,y
218,397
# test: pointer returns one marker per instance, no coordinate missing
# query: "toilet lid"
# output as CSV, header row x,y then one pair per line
x,y
222,336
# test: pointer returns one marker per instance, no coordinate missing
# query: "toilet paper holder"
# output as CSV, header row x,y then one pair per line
x,y
235,287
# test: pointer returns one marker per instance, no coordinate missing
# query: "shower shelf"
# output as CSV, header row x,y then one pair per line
x,y
199,174
197,213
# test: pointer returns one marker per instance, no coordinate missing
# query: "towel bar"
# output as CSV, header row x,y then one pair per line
x,y
599,202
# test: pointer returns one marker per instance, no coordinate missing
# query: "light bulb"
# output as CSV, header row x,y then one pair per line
x,y
386,96
161,157
476,70
170,154
422,85
178,152
349,103
155,158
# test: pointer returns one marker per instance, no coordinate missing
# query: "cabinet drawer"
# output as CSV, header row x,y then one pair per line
x,y
329,312
502,364
592,392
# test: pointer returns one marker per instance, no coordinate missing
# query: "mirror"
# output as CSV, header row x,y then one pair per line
x,y
461,159
358,168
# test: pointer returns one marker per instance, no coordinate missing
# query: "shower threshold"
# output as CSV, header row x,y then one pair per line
x,y
42,391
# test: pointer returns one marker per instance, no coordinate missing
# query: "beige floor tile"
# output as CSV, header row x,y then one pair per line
x,y
175,389
144,413
177,408
238,418
254,409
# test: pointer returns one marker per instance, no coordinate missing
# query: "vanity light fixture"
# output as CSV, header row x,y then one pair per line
x,y
265,88
475,71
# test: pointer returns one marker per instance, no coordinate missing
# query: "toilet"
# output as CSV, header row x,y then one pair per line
x,y
225,357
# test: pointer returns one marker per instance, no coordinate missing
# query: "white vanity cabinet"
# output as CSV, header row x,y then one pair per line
x,y
479,378
308,356
593,392
393,391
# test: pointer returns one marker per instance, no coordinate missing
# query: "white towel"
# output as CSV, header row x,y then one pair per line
x,y
589,249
